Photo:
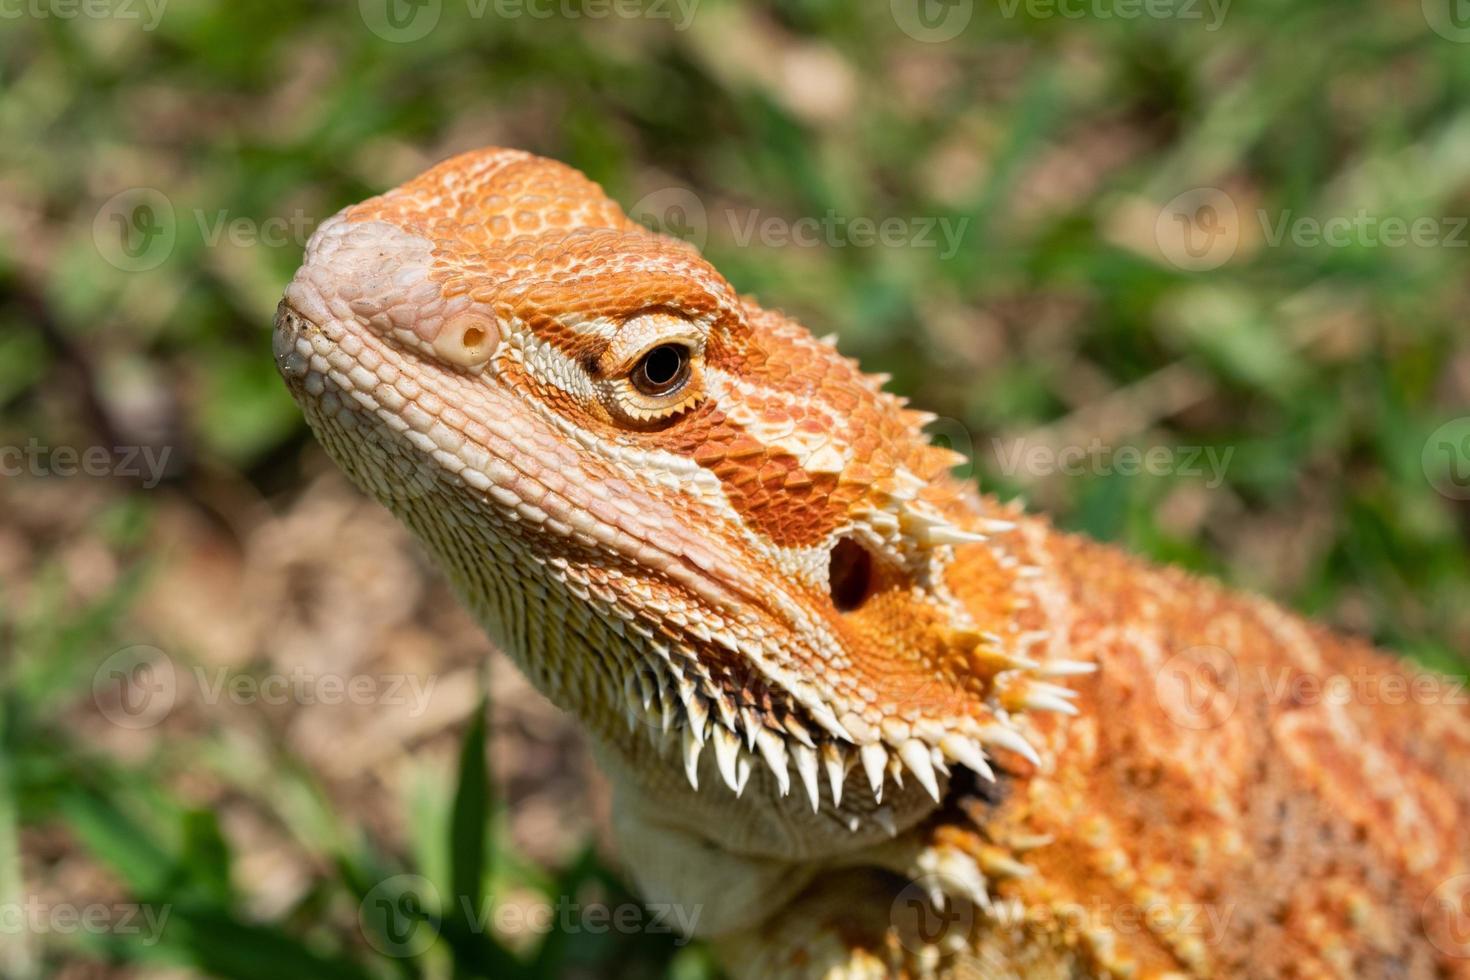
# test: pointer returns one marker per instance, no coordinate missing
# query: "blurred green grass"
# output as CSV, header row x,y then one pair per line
x,y
1324,371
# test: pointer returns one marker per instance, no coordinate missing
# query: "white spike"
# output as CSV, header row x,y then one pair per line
x,y
752,723
915,755
961,869
798,731
1066,668
883,817
823,716
968,754
693,745
727,712
1055,690
806,768
936,534
742,774
937,898
727,751
773,750
833,758
875,761
999,865
1046,701
1005,737
698,710
994,525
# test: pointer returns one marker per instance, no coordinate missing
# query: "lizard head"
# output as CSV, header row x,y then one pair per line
x,y
665,502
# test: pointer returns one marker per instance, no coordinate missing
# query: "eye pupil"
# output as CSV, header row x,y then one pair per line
x,y
662,364
662,369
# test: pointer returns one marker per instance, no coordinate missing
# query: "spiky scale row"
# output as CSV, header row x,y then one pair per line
x,y
925,749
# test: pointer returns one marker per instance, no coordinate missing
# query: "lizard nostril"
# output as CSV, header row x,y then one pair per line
x,y
849,574
467,340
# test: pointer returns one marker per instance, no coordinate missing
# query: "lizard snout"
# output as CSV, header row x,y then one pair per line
x,y
377,277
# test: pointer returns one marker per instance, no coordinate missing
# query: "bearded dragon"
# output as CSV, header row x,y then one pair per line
x,y
864,720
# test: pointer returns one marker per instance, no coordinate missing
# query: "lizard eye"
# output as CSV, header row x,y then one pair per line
x,y
662,370
652,372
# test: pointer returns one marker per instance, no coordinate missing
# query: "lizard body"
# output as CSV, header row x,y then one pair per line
x,y
865,720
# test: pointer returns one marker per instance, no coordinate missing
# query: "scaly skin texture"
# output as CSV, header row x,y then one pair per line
x,y
858,719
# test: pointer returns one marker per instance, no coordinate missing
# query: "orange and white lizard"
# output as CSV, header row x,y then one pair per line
x,y
859,719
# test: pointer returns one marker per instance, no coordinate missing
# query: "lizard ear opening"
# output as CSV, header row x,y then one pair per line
x,y
849,574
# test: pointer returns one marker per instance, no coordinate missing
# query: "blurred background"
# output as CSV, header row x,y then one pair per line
x,y
1188,275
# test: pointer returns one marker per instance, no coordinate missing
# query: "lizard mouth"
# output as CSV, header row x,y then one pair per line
x,y
288,328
